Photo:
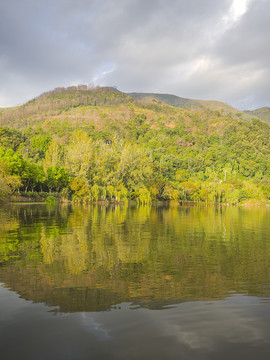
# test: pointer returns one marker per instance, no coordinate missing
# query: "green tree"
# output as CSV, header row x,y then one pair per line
x,y
56,178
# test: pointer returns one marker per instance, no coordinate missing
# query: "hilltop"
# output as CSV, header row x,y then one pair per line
x,y
60,100
261,113
181,102
99,143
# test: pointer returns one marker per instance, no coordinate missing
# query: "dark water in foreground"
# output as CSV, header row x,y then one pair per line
x,y
134,282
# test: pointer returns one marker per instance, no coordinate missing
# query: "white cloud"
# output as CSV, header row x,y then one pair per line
x,y
238,9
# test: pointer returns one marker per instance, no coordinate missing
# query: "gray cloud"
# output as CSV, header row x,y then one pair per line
x,y
191,49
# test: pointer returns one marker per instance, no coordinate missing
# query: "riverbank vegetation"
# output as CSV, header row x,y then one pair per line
x,y
100,144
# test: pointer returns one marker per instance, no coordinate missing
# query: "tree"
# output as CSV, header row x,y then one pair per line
x,y
8,182
53,156
135,168
144,197
79,155
57,178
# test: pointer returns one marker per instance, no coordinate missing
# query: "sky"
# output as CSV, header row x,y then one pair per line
x,y
198,49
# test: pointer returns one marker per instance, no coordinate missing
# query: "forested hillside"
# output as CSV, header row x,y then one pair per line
x,y
100,144
177,101
261,113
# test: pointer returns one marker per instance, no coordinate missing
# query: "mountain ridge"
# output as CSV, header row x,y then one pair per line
x,y
262,113
87,92
176,101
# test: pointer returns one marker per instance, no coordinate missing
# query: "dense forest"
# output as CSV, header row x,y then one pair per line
x,y
95,144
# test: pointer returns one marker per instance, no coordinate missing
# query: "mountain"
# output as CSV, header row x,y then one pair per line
x,y
177,101
261,113
100,143
62,100
168,99
59,101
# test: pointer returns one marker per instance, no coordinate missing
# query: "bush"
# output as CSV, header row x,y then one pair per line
x,y
51,200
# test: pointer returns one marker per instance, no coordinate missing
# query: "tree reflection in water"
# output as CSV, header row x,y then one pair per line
x,y
89,258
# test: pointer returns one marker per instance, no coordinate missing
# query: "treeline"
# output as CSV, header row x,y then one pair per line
x,y
155,152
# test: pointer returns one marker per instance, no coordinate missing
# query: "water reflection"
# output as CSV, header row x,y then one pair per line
x,y
91,258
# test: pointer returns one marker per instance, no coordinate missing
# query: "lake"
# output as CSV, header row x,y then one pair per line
x,y
134,282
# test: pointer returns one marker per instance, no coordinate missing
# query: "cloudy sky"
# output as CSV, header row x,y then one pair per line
x,y
200,49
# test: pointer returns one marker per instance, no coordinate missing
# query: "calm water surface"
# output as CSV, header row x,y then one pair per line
x,y
122,282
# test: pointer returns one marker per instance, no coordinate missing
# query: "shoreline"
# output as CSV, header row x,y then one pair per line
x,y
42,200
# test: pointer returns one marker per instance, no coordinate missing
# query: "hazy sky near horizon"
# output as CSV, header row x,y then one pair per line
x,y
199,49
